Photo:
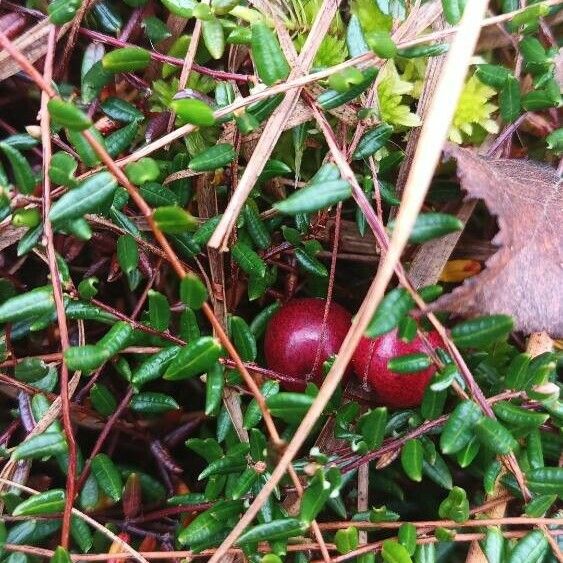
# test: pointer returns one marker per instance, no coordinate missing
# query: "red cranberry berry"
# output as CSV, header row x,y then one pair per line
x,y
296,342
396,390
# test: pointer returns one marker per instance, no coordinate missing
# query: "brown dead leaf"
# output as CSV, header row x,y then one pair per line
x,y
523,278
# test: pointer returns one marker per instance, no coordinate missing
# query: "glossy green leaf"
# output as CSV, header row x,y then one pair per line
x,y
516,374
372,425
532,547
193,291
393,307
494,435
122,139
290,407
49,502
253,415
455,506
152,403
545,480
34,303
61,555
510,100
394,552
212,158
482,331
214,384
153,367
270,531
127,253
126,59
193,111
493,545
142,171
107,476
66,114
346,539
322,486
419,51
519,416
453,10
382,44
459,428
193,359
243,339
438,472
407,537
62,11
412,455
310,264
213,37
314,197
182,8
540,505
269,60
248,260
256,228
174,219
42,445
25,180
62,168
429,226
332,99
102,399
409,363
373,140
89,197
159,310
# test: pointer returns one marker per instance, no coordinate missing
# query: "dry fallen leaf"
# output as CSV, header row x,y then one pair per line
x,y
523,278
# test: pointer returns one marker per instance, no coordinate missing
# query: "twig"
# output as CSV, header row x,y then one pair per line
x,y
57,293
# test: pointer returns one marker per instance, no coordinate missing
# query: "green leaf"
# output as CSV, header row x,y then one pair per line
x,y
322,486
193,359
346,539
493,545
66,114
89,197
253,415
271,531
102,399
49,502
62,11
310,264
269,60
217,156
429,226
224,466
23,174
256,229
393,307
516,374
453,10
495,76
243,338
394,552
34,303
157,195
331,99
419,51
193,292
545,480
173,219
382,44
153,367
121,110
107,476
373,140
122,139
412,455
540,505
61,555
372,427
459,428
409,363
190,110
290,407
152,403
182,8
438,472
532,547
455,506
209,523
248,260
62,168
42,445
495,436
214,384
510,100
314,197
425,553
142,171
518,416
159,310
482,331
127,253
126,59
407,537
85,358
213,37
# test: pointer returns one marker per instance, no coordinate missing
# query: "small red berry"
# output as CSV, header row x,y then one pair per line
x,y
297,343
396,390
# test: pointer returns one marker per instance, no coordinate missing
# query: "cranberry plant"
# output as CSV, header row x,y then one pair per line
x,y
228,239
